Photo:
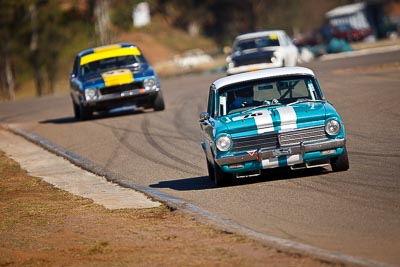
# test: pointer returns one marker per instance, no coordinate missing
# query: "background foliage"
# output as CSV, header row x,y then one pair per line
x,y
41,37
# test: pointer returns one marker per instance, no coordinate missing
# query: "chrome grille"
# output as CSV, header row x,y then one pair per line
x,y
275,140
255,142
121,88
302,135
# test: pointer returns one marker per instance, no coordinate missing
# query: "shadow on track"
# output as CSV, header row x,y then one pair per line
x,y
204,183
96,116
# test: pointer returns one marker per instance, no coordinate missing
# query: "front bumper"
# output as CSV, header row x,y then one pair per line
x,y
138,97
272,153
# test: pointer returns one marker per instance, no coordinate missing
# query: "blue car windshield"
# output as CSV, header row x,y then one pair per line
x,y
106,64
263,93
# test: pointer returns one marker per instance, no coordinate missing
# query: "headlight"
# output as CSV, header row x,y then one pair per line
x,y
332,127
150,84
90,94
277,57
224,143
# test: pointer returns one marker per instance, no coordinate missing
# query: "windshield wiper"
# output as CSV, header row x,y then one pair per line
x,y
305,100
261,106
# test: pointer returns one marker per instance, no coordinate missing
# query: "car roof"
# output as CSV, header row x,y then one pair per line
x,y
253,35
105,47
261,74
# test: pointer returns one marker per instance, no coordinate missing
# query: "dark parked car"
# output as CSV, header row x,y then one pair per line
x,y
350,34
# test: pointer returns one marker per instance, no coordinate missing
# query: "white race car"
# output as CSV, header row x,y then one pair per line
x,y
261,50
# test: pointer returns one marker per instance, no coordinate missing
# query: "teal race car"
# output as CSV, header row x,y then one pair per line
x,y
270,119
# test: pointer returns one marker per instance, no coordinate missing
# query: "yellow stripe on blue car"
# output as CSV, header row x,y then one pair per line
x,y
117,77
106,52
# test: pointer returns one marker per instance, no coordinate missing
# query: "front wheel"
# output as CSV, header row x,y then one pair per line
x,y
77,114
210,169
158,104
221,178
341,162
85,113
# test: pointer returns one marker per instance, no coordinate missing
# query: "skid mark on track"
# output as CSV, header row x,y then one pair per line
x,y
153,143
125,129
145,155
339,193
373,154
193,149
179,121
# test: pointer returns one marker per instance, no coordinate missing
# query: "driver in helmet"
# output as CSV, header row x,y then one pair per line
x,y
242,98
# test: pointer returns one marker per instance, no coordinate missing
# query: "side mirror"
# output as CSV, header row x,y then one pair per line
x,y
204,116
136,66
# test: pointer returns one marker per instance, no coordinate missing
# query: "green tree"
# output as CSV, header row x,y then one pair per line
x,y
11,15
46,42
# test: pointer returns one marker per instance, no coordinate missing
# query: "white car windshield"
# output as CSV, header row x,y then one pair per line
x,y
247,96
267,41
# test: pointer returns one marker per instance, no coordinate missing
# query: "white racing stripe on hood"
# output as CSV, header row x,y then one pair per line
x,y
288,117
264,122
270,163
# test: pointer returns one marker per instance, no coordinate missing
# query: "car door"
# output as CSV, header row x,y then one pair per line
x,y
207,128
292,52
74,81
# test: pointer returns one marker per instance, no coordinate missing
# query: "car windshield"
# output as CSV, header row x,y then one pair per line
x,y
266,41
247,96
106,64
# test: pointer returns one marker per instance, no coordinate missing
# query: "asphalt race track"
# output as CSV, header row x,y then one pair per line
x,y
356,213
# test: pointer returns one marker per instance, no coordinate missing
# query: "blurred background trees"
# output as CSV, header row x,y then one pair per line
x,y
40,37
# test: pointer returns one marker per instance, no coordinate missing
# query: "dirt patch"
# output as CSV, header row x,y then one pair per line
x,y
44,226
154,51
393,66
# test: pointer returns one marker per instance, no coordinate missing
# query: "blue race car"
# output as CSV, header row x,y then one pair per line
x,y
269,119
113,76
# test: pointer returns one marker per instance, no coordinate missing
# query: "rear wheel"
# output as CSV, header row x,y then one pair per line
x,y
158,104
341,162
221,178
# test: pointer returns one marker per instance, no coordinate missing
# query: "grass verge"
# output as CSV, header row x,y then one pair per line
x,y
44,226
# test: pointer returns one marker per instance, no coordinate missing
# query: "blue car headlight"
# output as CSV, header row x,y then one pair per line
x,y
332,127
90,94
150,84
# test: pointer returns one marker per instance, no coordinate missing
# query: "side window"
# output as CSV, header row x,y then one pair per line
x,y
284,40
210,107
300,89
289,41
75,67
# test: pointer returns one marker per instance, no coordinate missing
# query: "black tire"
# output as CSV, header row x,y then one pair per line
x,y
341,162
221,178
77,114
210,169
85,113
158,104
